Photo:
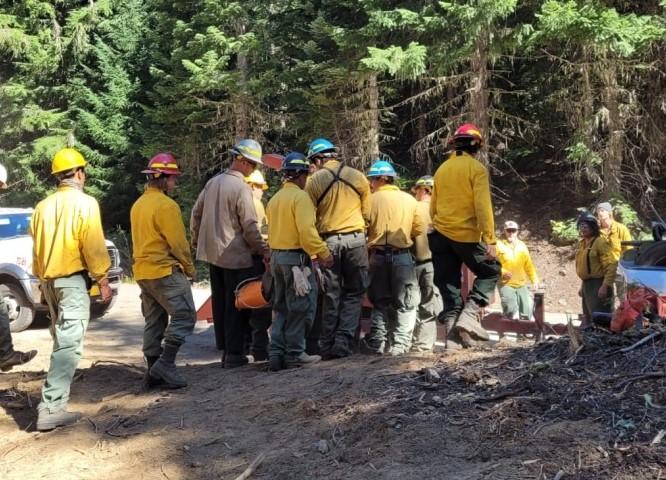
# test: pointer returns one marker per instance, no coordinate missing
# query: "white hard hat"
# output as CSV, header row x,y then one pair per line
x,y
3,177
510,225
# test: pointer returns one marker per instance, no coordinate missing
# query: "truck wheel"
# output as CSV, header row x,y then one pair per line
x,y
652,255
20,310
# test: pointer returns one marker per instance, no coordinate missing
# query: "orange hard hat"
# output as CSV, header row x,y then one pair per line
x,y
467,131
162,163
249,295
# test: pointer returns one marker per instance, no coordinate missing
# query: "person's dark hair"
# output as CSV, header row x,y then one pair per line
x,y
68,174
465,145
159,183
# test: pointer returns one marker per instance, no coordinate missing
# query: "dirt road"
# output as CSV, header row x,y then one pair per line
x,y
504,414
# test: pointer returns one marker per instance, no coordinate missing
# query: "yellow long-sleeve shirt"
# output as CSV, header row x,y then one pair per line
x,y
515,258
66,229
594,259
291,222
395,219
341,210
262,223
461,207
158,237
615,235
421,245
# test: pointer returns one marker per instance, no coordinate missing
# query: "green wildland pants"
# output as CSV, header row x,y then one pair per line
x,y
69,306
430,305
393,286
591,301
293,314
516,302
6,346
168,309
448,256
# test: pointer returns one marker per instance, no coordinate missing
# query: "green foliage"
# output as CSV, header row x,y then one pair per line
x,y
563,232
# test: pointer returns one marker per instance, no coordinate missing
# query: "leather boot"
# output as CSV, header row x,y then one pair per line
x,y
49,420
165,368
470,321
148,381
16,358
301,360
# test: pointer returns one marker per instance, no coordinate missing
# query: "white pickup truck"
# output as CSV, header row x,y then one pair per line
x,y
17,284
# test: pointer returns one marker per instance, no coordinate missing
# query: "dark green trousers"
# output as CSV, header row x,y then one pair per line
x,y
591,301
168,309
293,314
448,256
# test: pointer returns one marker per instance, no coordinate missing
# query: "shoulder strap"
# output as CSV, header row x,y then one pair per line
x,y
336,178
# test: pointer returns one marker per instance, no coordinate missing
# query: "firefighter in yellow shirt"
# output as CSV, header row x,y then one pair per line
x,y
341,195
258,186
395,221
294,240
612,230
430,304
464,232
69,249
517,268
260,319
596,267
162,266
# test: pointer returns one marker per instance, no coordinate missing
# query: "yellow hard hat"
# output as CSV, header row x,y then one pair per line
x,y
67,159
256,178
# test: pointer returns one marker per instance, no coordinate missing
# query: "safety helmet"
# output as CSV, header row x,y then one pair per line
x,y
295,162
510,225
321,146
3,177
425,181
382,168
256,178
469,132
67,159
588,219
162,164
248,148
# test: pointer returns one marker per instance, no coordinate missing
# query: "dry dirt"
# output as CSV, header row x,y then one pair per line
x,y
516,412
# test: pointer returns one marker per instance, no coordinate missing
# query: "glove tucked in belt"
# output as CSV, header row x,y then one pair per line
x,y
301,276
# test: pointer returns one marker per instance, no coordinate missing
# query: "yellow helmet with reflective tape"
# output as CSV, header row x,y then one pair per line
x,y
256,178
67,159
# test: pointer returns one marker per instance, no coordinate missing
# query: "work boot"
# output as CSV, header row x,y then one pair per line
x,y
301,360
452,339
367,349
16,358
49,420
395,351
470,321
165,368
148,381
276,363
235,361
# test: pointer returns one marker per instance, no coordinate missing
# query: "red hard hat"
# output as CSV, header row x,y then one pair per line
x,y
467,130
164,163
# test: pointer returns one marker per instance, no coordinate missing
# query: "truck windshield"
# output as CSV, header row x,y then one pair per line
x,y
13,224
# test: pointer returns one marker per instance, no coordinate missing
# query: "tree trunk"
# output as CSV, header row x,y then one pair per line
x,y
479,95
372,149
612,169
241,111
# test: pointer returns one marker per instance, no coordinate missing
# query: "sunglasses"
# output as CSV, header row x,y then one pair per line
x,y
510,230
